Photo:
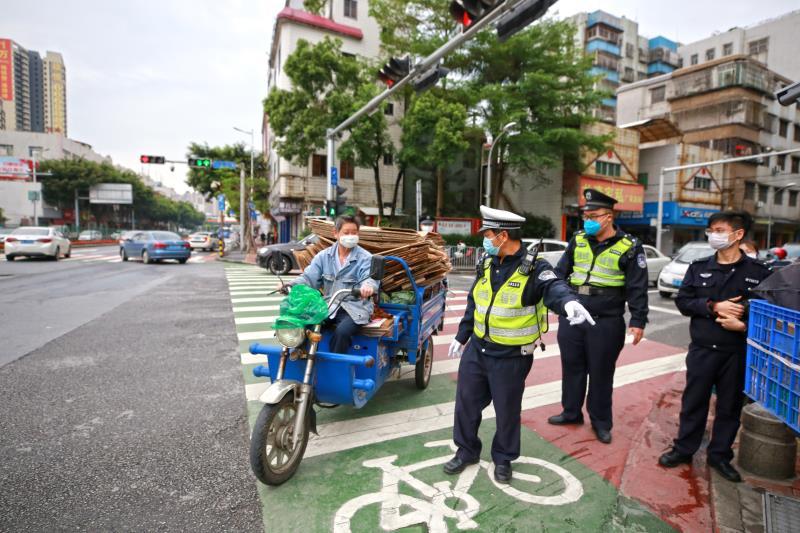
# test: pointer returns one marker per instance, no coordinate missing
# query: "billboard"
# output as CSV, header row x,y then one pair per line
x,y
14,168
6,70
630,196
111,193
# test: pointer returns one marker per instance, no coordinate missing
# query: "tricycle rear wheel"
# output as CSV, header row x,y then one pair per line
x,y
422,370
272,458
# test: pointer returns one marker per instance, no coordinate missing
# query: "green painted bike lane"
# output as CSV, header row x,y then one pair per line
x,y
398,484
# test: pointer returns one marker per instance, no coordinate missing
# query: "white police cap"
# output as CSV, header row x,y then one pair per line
x,y
497,219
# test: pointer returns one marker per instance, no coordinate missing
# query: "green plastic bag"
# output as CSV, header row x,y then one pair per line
x,y
303,306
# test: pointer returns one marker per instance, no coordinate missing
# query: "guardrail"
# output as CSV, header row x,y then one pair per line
x,y
464,257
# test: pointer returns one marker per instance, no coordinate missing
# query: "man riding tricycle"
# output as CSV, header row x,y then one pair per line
x,y
330,352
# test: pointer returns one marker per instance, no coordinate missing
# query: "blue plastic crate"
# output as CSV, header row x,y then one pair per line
x,y
772,375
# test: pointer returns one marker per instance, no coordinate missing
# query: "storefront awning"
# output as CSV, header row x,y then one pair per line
x,y
654,129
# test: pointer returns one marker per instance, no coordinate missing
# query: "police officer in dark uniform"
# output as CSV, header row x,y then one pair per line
x,y
504,319
714,293
605,267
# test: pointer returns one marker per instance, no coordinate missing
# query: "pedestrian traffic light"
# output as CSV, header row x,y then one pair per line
x,y
468,12
341,200
429,79
199,163
520,16
395,70
152,159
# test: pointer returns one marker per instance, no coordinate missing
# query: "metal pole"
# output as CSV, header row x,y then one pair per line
x,y
489,175
35,216
331,163
660,215
241,208
419,201
77,214
769,230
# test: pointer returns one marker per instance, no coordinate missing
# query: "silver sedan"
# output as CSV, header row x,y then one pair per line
x,y
31,241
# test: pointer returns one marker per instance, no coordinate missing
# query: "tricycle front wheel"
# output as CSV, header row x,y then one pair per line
x,y
272,457
422,371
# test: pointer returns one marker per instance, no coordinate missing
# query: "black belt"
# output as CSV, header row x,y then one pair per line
x,y
588,290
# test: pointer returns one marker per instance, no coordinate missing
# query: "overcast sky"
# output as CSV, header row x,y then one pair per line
x,y
152,76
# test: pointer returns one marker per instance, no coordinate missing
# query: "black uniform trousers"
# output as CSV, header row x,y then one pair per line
x,y
591,351
483,379
707,368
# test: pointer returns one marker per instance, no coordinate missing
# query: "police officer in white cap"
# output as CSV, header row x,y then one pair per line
x,y
505,317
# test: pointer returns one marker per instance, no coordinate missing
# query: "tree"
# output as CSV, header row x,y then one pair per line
x,y
433,136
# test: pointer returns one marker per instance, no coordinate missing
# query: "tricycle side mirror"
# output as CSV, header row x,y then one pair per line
x,y
376,267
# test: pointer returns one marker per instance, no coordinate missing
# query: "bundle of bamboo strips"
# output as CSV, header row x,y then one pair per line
x,y
424,255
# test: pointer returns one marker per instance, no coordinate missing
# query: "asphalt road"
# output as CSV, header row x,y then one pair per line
x,y
121,400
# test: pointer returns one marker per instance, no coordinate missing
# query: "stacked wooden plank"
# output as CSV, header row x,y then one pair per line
x,y
425,256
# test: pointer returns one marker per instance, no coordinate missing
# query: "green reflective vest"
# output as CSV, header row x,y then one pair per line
x,y
508,322
600,271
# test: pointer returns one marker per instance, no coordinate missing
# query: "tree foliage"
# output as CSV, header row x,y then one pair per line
x,y
150,208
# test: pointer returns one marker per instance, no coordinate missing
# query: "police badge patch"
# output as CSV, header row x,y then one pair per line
x,y
546,275
641,261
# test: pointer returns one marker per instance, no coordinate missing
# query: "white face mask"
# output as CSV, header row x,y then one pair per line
x,y
348,241
719,241
752,255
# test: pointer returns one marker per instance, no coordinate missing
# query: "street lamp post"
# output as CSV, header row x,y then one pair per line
x,y
33,155
242,207
505,130
769,224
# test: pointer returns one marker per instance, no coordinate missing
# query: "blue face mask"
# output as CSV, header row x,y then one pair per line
x,y
490,248
591,227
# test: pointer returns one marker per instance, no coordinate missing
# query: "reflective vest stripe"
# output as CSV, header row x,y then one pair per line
x,y
505,332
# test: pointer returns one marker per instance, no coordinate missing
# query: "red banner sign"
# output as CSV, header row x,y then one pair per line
x,y
630,196
6,70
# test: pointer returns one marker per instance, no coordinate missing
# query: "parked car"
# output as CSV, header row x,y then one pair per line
x,y
656,261
671,276
204,240
90,235
552,249
279,259
3,233
32,241
153,246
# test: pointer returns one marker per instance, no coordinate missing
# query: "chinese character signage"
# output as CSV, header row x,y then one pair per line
x,y
630,196
14,168
6,69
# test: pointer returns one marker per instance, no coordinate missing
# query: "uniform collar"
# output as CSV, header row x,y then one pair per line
x,y
518,254
617,235
714,265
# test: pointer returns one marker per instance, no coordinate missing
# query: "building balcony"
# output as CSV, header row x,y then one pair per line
x,y
655,69
664,55
600,45
611,75
600,17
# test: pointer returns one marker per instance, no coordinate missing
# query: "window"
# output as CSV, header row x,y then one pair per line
x,y
758,47
749,190
727,49
351,9
35,151
642,178
347,172
710,54
777,197
693,59
388,159
762,193
604,168
6,149
795,165
792,198
389,109
797,132
650,253
641,75
657,94
319,165
783,128
629,50
702,183
782,161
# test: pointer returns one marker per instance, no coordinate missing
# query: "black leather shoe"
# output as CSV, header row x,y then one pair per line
x,y
456,465
561,420
673,458
603,435
725,470
502,473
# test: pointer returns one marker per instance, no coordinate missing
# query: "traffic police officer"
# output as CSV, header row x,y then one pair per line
x,y
504,318
714,293
605,267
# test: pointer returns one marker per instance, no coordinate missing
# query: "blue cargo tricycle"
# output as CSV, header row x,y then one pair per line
x,y
303,371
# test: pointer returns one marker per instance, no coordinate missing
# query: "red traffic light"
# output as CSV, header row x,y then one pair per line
x,y
152,159
144,159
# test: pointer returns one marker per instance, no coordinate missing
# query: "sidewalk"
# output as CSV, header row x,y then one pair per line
x,y
238,256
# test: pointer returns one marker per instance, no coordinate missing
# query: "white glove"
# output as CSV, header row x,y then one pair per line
x,y
577,314
455,349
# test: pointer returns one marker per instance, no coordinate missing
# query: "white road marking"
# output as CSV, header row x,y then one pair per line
x,y
260,299
256,308
254,320
250,359
665,310
256,335
455,307
348,434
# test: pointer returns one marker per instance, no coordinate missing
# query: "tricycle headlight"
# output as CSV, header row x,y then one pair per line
x,y
291,338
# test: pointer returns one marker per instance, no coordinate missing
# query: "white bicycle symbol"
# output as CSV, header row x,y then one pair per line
x,y
434,509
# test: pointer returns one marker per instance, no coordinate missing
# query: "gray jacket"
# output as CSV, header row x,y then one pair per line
x,y
321,273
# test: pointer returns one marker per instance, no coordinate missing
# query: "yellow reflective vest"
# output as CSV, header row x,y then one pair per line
x,y
600,271
508,322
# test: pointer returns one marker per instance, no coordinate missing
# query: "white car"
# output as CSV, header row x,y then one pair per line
x,y
671,277
33,241
656,261
552,249
203,240
90,235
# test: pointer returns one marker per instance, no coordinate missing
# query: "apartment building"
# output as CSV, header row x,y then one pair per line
x,y
727,105
621,55
298,190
